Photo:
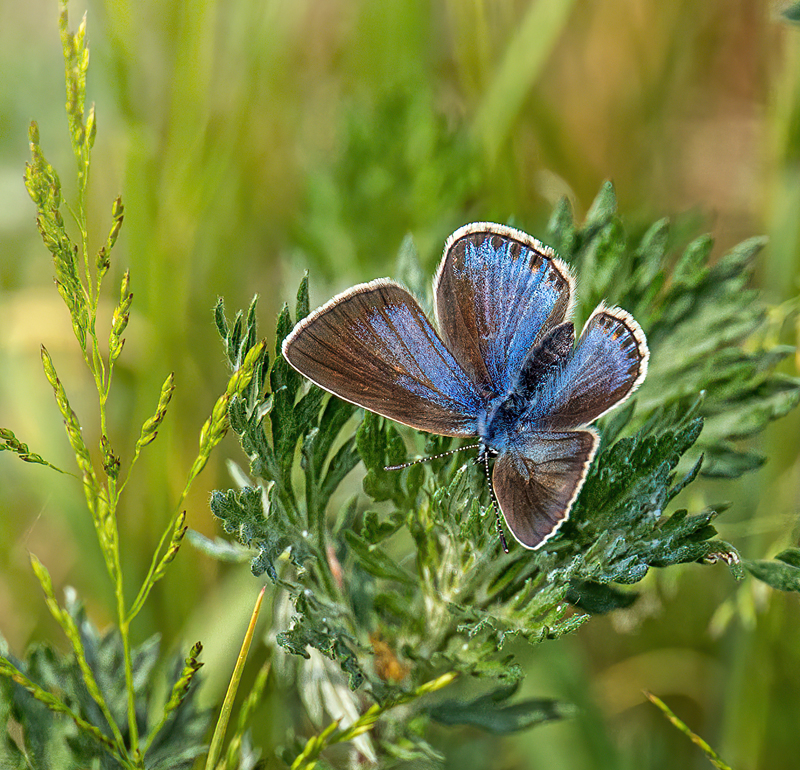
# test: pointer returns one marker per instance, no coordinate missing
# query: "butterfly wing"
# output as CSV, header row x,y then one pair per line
x,y
373,346
536,483
498,291
607,365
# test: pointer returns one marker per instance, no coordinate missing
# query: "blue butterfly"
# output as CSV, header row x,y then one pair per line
x,y
504,366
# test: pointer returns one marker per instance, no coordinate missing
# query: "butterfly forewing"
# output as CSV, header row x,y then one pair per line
x,y
373,346
536,483
608,363
498,291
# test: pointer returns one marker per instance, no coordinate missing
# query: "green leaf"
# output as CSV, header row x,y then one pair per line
x,y
603,208
561,230
256,517
53,739
491,713
597,598
782,572
320,624
379,445
374,560
690,269
301,305
319,443
374,530
792,13
649,256
602,256
791,556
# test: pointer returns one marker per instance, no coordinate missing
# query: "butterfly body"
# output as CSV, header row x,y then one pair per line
x,y
504,366
523,407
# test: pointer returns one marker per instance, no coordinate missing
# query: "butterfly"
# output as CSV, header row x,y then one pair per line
x,y
504,366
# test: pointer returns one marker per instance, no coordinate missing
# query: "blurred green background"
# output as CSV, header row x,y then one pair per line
x,y
251,140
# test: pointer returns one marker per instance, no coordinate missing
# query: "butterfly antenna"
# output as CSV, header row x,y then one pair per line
x,y
495,504
428,459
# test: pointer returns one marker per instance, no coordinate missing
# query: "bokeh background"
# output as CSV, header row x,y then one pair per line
x,y
253,139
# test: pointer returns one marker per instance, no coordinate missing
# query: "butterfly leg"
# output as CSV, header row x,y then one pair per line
x,y
495,504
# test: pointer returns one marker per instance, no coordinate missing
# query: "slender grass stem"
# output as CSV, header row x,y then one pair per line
x,y
215,750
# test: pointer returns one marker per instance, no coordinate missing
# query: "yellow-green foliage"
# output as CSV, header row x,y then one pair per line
x,y
255,139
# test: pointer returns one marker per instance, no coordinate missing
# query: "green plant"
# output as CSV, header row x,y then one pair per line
x,y
413,570
99,702
386,594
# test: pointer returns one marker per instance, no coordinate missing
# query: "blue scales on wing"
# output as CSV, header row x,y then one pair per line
x,y
608,363
498,292
373,346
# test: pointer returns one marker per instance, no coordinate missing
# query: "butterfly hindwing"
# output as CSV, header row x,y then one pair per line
x,y
536,483
373,346
608,363
498,291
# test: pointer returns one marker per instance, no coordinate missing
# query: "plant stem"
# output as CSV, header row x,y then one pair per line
x,y
215,750
712,755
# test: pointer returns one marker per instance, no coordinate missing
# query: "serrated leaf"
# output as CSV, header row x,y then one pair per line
x,y
256,520
318,624
52,740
